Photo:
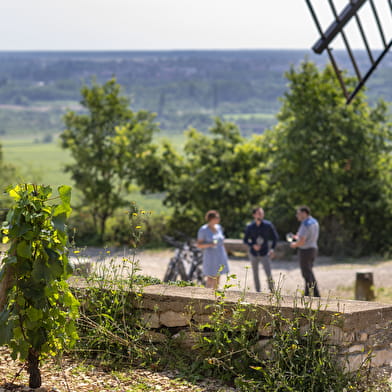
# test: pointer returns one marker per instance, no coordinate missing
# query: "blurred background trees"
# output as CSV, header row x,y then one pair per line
x,y
333,157
107,144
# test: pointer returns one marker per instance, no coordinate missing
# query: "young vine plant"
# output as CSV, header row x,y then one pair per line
x,y
37,308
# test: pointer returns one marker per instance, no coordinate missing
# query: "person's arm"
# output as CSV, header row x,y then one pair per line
x,y
300,242
248,240
204,245
274,239
300,238
201,243
246,236
274,236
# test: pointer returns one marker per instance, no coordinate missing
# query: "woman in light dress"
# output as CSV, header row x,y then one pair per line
x,y
210,239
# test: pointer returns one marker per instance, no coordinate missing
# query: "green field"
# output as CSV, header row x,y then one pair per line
x,y
249,116
44,163
37,162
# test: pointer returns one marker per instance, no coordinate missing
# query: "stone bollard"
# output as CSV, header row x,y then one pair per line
x,y
364,288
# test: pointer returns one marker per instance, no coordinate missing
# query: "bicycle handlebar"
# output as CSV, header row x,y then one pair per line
x,y
178,244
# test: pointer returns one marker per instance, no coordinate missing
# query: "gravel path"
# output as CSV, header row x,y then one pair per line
x,y
333,277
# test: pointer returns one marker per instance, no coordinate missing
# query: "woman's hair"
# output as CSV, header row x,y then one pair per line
x,y
211,215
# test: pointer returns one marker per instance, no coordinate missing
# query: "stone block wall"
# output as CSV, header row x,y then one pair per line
x,y
282,249
363,327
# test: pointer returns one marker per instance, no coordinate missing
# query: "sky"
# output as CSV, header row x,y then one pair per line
x,y
172,24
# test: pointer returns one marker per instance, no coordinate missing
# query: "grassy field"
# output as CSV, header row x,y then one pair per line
x,y
37,162
249,116
44,163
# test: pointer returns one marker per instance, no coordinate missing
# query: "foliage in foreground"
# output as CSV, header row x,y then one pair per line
x,y
110,326
37,308
109,300
297,358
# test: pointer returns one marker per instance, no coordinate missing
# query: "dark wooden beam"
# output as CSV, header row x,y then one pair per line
x,y
336,27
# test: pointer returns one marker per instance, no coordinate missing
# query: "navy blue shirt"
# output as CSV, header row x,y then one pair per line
x,y
260,235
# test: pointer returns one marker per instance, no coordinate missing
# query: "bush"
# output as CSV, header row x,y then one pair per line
x,y
153,227
82,231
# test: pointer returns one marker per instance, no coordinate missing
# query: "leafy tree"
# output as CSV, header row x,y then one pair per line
x,y
37,308
107,144
220,170
334,157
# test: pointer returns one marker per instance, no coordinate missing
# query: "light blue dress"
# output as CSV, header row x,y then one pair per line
x,y
216,257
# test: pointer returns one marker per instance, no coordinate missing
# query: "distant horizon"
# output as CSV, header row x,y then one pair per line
x,y
178,50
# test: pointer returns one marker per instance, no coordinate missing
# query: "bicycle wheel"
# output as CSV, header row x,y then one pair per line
x,y
199,276
175,270
171,273
196,271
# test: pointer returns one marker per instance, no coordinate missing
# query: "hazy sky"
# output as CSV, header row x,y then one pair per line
x,y
169,24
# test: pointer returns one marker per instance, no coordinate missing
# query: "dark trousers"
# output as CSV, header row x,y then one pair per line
x,y
306,261
265,261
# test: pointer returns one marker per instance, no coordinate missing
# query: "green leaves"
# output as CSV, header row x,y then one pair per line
x,y
108,146
23,249
219,170
65,207
5,327
40,300
328,155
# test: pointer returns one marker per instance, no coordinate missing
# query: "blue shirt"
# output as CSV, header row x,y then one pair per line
x,y
260,235
309,229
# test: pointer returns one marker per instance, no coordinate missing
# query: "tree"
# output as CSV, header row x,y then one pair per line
x,y
334,157
37,308
220,170
108,144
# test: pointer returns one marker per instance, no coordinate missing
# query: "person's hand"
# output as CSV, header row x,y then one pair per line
x,y
256,247
271,254
293,245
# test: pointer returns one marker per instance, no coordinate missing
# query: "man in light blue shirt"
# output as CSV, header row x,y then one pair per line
x,y
306,243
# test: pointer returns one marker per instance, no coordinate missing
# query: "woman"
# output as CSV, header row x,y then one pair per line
x,y
210,238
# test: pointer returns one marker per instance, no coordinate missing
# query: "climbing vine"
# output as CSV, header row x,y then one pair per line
x,y
37,309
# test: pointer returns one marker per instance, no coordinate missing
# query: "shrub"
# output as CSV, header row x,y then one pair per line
x,y
81,228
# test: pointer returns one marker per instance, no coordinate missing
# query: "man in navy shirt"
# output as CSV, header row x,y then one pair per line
x,y
257,235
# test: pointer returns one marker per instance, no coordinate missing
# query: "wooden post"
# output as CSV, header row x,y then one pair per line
x,y
364,287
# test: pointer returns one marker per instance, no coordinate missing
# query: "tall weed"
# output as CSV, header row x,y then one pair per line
x,y
297,356
110,325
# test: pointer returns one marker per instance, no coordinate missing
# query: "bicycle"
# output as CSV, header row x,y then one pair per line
x,y
186,264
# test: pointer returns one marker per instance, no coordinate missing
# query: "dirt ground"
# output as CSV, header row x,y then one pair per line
x,y
335,278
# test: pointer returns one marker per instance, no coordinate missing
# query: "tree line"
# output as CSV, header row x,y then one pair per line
x,y
183,88
333,157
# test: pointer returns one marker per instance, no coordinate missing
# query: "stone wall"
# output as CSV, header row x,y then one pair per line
x,y
236,246
363,327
